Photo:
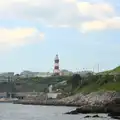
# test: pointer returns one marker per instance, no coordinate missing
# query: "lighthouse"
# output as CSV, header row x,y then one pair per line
x,y
56,66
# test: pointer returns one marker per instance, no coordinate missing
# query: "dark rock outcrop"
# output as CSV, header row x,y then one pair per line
x,y
94,116
87,116
88,109
113,109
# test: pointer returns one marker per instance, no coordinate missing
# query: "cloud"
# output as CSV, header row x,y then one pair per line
x,y
110,23
50,12
62,13
18,36
95,10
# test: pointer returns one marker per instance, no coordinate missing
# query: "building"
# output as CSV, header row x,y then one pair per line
x,y
53,95
44,74
56,70
3,95
7,76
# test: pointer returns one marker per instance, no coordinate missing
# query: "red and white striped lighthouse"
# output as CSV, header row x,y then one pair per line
x,y
56,66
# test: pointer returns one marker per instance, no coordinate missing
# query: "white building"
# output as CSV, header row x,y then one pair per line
x,y
52,95
44,74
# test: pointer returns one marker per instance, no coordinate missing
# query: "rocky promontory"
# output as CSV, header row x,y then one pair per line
x,y
100,99
95,102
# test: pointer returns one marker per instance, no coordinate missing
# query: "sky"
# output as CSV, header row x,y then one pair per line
x,y
84,33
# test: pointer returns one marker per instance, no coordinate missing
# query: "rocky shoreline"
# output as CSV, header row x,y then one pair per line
x,y
96,102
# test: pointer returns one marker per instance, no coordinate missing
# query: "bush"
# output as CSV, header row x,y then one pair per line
x,y
105,79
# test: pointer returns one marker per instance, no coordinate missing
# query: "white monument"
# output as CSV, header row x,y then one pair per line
x,y
50,88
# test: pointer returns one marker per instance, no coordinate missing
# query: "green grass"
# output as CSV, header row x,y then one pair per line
x,y
88,88
112,86
117,69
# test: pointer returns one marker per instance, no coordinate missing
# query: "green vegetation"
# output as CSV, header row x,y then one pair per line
x,y
75,84
37,84
98,82
108,80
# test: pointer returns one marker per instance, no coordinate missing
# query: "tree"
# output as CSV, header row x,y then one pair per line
x,y
76,81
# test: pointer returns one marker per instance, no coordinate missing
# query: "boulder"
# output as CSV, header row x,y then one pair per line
x,y
87,116
88,109
94,116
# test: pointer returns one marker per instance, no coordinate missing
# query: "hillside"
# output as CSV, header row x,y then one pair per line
x,y
110,86
89,84
105,81
115,70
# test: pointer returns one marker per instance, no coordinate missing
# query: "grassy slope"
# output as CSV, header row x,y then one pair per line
x,y
117,69
112,86
95,87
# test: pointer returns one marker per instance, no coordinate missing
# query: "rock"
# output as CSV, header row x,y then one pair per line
x,y
96,116
116,117
77,111
88,109
87,116
113,109
94,98
113,114
73,112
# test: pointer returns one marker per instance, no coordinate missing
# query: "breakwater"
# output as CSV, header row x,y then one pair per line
x,y
47,102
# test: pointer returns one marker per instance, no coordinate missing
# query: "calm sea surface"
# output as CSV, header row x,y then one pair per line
x,y
10,111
